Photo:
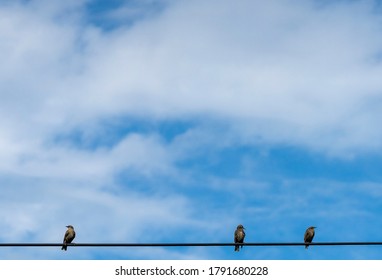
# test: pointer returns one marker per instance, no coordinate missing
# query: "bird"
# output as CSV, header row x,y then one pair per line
x,y
308,236
239,236
70,234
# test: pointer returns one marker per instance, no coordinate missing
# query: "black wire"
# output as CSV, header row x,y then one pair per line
x,y
190,244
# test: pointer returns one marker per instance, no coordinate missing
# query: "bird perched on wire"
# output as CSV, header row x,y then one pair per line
x,y
70,234
239,236
308,236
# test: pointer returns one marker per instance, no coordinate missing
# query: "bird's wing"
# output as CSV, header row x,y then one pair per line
x,y
66,235
306,236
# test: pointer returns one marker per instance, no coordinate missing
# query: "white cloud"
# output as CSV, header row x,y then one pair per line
x,y
294,73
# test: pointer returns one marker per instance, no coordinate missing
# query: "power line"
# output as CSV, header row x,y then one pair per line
x,y
255,244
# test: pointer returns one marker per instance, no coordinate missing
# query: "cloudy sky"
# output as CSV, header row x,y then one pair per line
x,y
174,121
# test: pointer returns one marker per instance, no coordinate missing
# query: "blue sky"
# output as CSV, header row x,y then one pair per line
x,y
175,121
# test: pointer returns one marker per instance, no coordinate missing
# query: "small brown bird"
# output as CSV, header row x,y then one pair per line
x,y
308,236
239,237
68,237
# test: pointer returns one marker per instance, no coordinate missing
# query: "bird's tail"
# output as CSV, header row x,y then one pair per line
x,y
237,248
64,247
306,246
